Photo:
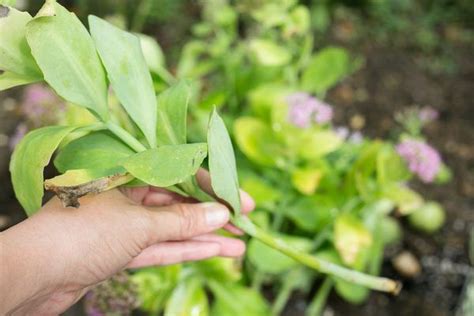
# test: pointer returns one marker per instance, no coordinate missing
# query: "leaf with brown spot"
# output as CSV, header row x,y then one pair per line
x,y
73,184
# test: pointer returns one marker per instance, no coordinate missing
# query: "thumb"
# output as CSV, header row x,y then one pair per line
x,y
183,221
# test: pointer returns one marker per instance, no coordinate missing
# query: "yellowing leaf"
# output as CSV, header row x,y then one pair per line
x,y
306,180
73,184
350,238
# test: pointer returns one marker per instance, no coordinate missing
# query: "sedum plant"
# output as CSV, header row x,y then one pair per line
x,y
80,65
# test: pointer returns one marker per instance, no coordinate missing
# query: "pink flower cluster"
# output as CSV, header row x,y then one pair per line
x,y
305,109
422,159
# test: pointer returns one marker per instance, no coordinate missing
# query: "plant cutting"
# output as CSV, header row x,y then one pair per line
x,y
55,47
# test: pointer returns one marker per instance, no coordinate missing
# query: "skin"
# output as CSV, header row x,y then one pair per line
x,y
50,260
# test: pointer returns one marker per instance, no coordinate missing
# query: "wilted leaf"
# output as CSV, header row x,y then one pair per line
x,y
350,238
188,299
73,184
99,150
222,165
167,165
172,109
30,157
128,73
67,57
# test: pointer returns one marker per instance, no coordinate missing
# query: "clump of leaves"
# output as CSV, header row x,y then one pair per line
x,y
55,47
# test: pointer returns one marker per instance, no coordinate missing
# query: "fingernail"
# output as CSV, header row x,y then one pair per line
x,y
216,214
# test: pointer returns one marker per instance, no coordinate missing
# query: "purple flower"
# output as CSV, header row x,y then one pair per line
x,y
422,159
342,132
428,114
323,113
41,106
305,109
116,296
356,137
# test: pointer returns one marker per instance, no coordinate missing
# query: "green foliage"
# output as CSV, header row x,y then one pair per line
x,y
326,68
167,165
188,298
222,163
172,110
100,150
67,57
31,155
428,218
15,56
128,74
249,301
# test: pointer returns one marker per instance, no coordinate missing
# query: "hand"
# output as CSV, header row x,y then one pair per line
x,y
50,260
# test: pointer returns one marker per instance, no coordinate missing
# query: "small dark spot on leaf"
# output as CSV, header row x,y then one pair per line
x,y
4,11
1,72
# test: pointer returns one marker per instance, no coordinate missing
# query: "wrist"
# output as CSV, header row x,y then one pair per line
x,y
21,275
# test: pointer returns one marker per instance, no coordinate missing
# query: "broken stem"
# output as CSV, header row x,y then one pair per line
x,y
372,282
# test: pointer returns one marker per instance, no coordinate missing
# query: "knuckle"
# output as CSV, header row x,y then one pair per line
x,y
187,220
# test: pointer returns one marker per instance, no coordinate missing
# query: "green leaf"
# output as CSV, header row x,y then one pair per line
x,y
67,57
257,142
315,144
9,80
428,218
219,269
263,193
155,285
30,157
100,150
312,213
234,299
188,299
353,293
172,109
154,57
128,73
269,260
406,200
15,54
306,180
167,165
268,53
325,69
222,165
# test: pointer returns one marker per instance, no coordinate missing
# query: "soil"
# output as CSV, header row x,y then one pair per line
x,y
391,80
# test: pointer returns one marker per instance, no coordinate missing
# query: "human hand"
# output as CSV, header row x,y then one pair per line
x,y
50,260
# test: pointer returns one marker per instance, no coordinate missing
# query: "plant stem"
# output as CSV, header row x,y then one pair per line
x,y
126,137
319,300
284,293
372,282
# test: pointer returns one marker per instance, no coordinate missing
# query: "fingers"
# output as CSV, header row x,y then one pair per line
x,y
230,247
173,252
163,197
197,248
183,221
204,181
